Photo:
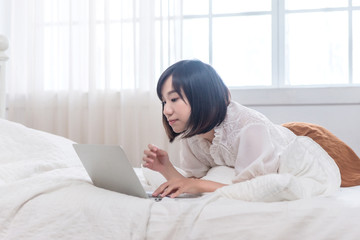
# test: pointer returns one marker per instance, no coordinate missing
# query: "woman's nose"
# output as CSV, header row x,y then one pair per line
x,y
167,110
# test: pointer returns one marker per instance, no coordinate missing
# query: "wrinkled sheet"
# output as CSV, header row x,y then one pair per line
x,y
220,216
216,217
45,193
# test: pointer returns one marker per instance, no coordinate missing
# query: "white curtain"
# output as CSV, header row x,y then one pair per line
x,y
87,69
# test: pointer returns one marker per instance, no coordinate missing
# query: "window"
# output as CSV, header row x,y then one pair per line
x,y
91,42
278,43
251,43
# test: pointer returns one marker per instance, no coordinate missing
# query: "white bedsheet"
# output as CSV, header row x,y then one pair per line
x,y
214,216
46,194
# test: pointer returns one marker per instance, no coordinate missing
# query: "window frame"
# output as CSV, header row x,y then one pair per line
x,y
278,14
280,94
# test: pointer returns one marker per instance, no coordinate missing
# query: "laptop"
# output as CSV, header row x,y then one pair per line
x,y
109,168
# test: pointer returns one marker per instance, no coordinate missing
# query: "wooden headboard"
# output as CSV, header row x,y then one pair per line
x,y
4,44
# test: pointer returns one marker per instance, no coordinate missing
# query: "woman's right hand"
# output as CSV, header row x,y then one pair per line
x,y
158,160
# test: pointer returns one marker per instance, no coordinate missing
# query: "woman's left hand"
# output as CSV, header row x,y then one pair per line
x,y
177,186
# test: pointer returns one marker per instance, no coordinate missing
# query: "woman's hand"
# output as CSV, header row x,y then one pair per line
x,y
158,160
177,186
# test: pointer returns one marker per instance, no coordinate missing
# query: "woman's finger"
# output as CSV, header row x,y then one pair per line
x,y
148,153
152,147
166,191
177,193
148,160
170,189
160,189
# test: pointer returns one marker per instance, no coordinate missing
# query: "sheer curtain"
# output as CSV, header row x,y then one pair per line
x,y
87,69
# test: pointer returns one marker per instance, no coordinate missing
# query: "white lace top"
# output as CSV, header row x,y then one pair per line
x,y
270,162
245,140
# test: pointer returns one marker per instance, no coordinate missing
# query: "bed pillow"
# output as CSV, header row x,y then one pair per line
x,y
346,159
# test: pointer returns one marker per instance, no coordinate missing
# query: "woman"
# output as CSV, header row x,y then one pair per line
x,y
270,162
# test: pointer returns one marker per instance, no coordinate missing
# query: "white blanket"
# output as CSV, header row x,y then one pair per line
x,y
45,193
220,215
305,171
216,217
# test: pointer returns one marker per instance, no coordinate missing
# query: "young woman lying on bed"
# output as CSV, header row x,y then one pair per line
x,y
271,163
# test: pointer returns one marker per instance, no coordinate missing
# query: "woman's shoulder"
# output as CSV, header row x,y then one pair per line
x,y
194,143
233,105
232,124
240,114
237,117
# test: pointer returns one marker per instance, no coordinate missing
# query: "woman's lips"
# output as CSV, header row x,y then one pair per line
x,y
171,122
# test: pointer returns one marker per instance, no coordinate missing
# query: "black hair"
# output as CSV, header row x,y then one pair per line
x,y
205,91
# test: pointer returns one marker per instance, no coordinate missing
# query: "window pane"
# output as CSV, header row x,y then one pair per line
x,y
115,61
115,9
100,56
356,2
356,46
235,6
55,58
191,7
242,56
160,33
311,4
316,50
99,8
165,8
79,57
159,6
55,11
196,39
63,11
128,55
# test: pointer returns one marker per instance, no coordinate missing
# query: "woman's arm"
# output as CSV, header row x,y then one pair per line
x,y
177,186
158,160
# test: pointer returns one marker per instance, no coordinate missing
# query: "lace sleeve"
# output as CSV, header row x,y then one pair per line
x,y
257,153
190,162
305,170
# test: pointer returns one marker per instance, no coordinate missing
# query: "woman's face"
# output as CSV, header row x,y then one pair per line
x,y
176,110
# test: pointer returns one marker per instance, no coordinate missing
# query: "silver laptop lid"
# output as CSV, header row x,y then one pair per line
x,y
109,168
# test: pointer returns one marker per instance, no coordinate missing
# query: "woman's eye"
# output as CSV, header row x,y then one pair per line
x,y
174,99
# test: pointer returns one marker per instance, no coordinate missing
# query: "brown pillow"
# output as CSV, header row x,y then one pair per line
x,y
346,159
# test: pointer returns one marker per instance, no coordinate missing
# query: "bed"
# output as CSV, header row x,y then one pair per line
x,y
4,44
45,193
